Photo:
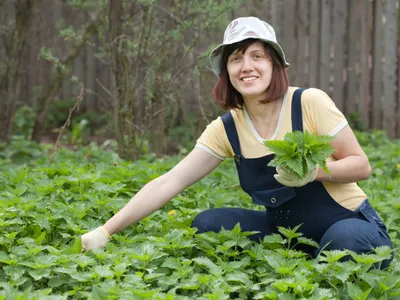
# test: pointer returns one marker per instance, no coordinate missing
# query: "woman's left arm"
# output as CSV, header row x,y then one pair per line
x,y
351,163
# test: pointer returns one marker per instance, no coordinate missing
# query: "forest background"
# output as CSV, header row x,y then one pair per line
x,y
140,72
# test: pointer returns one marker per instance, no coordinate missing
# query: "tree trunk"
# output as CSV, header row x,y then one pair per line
x,y
15,41
121,87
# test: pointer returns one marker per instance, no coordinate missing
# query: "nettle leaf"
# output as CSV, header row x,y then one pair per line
x,y
240,277
290,253
308,242
290,233
296,138
321,294
310,164
104,271
280,148
339,271
296,165
172,263
257,252
82,276
384,252
374,279
240,264
133,280
281,265
4,258
300,152
120,269
43,222
356,293
274,239
77,246
366,259
39,274
14,272
209,265
281,285
66,270
99,293
332,256
83,261
388,283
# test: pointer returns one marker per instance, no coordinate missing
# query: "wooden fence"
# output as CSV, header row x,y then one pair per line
x,y
348,48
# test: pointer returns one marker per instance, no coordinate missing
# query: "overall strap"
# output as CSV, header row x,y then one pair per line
x,y
230,128
297,116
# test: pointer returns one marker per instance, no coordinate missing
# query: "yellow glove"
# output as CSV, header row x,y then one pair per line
x,y
288,178
97,238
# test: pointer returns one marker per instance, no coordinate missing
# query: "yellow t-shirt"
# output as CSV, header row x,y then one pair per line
x,y
320,116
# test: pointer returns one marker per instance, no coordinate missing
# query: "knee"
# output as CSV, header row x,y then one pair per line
x,y
342,236
339,242
354,235
203,221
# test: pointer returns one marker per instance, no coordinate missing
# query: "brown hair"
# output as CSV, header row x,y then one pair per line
x,y
228,97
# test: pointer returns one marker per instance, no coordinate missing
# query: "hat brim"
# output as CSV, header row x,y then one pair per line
x,y
215,56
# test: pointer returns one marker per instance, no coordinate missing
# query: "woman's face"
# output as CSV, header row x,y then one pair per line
x,y
250,72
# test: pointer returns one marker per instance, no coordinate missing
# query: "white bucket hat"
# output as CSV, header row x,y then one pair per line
x,y
241,29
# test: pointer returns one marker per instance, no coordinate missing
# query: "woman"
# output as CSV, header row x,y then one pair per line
x,y
253,84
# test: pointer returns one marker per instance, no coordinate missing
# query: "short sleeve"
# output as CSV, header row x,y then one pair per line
x,y
215,141
321,115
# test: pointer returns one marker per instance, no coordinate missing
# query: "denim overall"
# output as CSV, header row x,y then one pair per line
x,y
322,218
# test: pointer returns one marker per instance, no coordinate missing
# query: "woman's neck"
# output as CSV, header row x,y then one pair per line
x,y
264,116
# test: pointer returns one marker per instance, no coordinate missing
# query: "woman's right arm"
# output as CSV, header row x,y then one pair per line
x,y
155,194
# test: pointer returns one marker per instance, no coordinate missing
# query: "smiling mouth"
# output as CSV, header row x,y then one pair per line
x,y
249,79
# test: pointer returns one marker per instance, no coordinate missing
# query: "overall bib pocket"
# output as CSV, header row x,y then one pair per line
x,y
273,197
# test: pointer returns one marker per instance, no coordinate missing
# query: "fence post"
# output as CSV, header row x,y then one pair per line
x,y
325,47
313,70
365,90
339,34
377,50
352,51
389,74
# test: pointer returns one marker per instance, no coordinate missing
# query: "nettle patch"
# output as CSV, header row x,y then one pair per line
x,y
44,208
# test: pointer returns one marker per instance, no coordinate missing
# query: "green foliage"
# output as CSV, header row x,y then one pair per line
x,y
20,150
184,134
44,208
47,54
79,130
23,122
58,112
300,152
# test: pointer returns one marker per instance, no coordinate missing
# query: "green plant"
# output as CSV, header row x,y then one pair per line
x,y
300,152
79,131
23,121
45,207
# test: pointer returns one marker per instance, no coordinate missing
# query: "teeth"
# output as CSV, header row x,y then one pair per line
x,y
249,78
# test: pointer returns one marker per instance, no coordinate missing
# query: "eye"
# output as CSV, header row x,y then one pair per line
x,y
257,56
235,59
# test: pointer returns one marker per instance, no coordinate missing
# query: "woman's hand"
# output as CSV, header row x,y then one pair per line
x,y
288,178
96,238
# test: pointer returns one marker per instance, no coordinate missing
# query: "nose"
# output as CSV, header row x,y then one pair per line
x,y
247,64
